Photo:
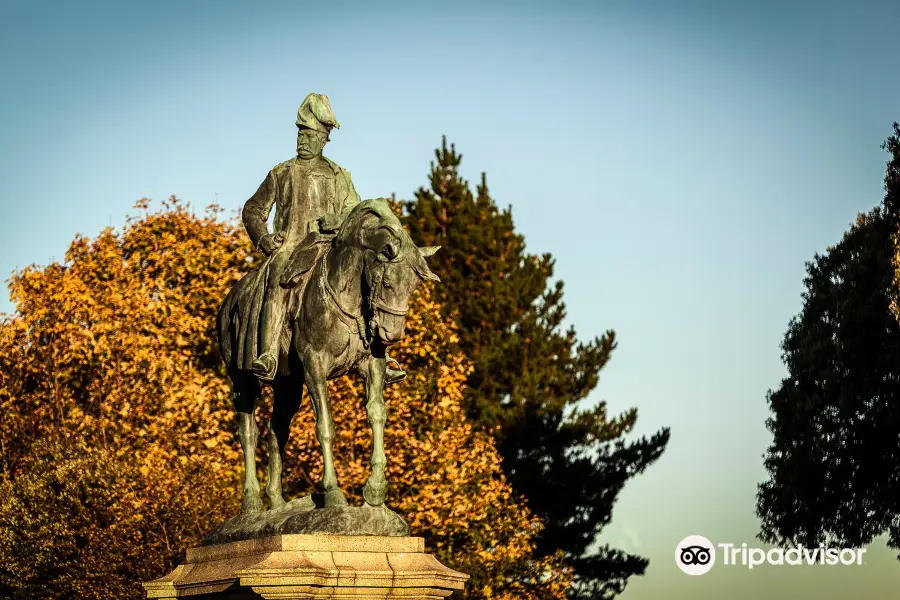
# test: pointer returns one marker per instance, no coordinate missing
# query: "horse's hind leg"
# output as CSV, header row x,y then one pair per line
x,y
245,393
288,394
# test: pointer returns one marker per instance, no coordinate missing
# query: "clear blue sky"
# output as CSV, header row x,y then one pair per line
x,y
681,164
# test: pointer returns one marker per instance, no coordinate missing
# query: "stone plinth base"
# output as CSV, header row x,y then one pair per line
x,y
302,516
300,566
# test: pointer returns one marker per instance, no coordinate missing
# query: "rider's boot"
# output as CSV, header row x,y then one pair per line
x,y
266,365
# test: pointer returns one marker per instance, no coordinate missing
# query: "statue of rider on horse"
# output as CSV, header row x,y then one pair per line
x,y
330,298
310,193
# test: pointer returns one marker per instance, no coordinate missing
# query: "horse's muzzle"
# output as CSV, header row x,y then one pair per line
x,y
389,337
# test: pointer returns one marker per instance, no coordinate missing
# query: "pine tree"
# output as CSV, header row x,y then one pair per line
x,y
529,373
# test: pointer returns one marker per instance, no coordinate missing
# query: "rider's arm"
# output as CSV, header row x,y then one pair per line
x,y
257,208
351,198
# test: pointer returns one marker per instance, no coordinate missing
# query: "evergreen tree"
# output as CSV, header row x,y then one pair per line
x,y
835,421
529,374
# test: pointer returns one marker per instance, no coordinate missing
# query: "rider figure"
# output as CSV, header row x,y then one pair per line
x,y
310,193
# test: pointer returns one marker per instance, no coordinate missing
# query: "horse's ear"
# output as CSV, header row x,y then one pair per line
x,y
429,250
428,275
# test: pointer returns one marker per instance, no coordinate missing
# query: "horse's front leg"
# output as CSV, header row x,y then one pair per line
x,y
245,393
375,489
288,392
317,385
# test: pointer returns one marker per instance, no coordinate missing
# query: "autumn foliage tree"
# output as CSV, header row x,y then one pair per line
x,y
118,445
895,299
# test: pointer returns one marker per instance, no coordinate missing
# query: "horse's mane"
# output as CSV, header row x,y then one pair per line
x,y
376,206
381,208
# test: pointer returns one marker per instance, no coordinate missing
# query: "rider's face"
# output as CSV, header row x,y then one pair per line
x,y
309,143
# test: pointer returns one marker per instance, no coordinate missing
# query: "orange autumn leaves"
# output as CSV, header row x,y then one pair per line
x,y
115,409
109,389
895,262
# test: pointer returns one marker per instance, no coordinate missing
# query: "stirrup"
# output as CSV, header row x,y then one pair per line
x,y
393,375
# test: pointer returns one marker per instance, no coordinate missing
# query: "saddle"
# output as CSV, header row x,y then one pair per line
x,y
298,268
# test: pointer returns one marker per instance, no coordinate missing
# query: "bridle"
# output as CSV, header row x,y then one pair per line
x,y
375,301
366,330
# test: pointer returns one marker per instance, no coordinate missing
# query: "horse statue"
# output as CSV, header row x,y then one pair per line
x,y
348,299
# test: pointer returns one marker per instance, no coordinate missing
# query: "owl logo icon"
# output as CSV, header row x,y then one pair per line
x,y
695,555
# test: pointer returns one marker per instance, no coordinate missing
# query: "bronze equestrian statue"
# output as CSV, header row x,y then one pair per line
x,y
329,299
309,193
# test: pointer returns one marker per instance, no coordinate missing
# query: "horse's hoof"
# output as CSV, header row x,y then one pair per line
x,y
374,493
335,497
276,502
252,504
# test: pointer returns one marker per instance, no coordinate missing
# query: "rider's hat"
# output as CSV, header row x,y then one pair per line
x,y
315,113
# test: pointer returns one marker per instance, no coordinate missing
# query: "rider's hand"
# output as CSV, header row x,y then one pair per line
x,y
329,222
271,242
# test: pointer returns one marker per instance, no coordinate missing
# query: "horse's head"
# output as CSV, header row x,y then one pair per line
x,y
393,266
392,274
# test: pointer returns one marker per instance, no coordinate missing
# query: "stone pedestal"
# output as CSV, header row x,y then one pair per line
x,y
303,566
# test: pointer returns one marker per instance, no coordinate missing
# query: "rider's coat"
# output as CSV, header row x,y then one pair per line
x,y
301,191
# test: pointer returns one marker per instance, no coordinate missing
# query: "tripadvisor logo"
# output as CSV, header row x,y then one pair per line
x,y
696,555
